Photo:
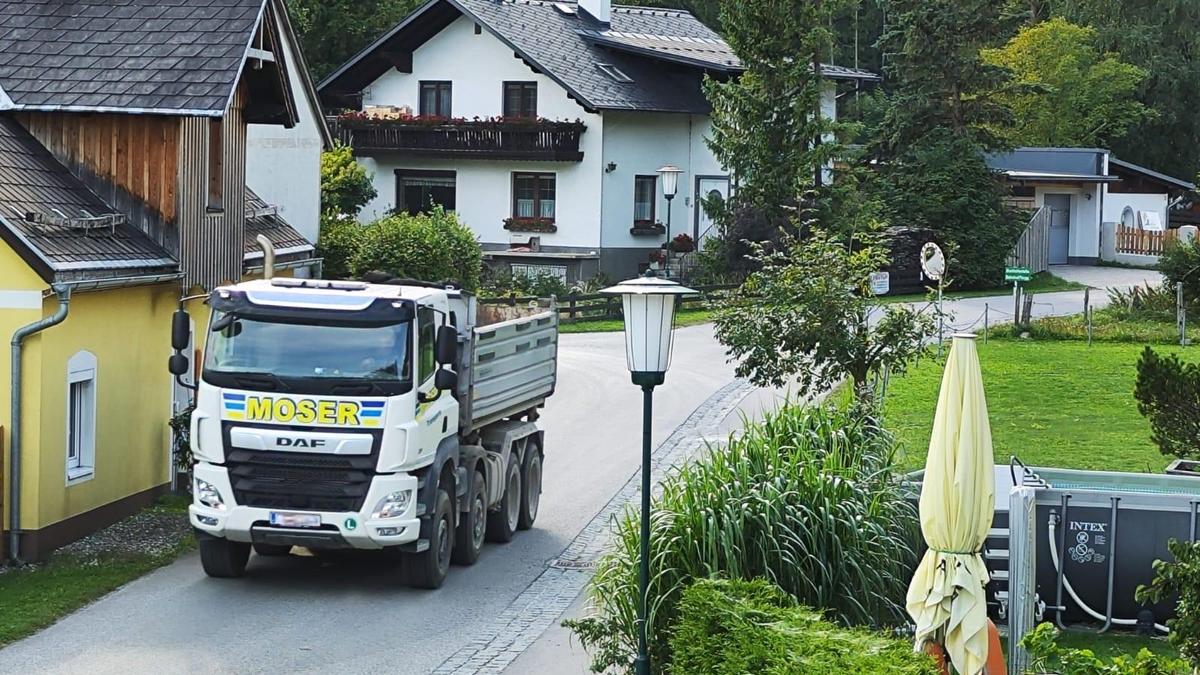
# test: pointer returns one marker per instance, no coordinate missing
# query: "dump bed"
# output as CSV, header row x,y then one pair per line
x,y
512,365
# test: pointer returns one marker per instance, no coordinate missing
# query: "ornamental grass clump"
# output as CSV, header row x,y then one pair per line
x,y
806,499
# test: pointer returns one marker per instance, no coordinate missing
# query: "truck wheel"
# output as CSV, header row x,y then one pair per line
x,y
272,550
428,569
531,487
502,523
222,558
472,525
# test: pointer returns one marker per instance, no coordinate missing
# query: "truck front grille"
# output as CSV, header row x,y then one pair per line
x,y
293,480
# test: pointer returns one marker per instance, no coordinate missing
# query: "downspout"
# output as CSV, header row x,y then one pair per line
x,y
63,292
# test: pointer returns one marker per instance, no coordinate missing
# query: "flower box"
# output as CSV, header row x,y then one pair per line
x,y
540,225
648,230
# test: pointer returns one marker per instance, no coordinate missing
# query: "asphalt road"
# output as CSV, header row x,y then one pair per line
x,y
297,615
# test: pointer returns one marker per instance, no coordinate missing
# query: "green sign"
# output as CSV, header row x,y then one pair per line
x,y
1018,274
350,523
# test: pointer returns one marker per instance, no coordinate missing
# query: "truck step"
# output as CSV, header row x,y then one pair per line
x,y
418,546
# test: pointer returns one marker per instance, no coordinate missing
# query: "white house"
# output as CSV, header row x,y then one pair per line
x,y
594,99
1085,191
283,165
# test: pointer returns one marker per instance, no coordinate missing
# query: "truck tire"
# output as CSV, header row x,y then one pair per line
x,y
428,568
272,550
222,558
472,525
502,523
531,487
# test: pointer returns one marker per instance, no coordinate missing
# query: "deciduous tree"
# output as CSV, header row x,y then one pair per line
x,y
1068,93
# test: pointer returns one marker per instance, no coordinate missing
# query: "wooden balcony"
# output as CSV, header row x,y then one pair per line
x,y
539,140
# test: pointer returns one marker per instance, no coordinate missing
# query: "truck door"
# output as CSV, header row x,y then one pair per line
x,y
433,416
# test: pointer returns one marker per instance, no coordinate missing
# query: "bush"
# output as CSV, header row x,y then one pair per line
x,y
1181,578
500,282
1046,656
735,627
805,498
1168,394
431,246
345,185
339,241
1181,262
1144,302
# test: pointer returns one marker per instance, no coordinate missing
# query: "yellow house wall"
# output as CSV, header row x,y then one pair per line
x,y
128,331
15,275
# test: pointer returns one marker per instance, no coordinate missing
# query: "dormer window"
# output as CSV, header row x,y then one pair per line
x,y
615,73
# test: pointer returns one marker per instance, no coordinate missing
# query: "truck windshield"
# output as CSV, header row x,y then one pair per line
x,y
287,350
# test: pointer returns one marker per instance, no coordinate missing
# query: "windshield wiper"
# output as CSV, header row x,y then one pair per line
x,y
359,389
265,381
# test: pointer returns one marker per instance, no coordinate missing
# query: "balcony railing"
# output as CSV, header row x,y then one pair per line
x,y
539,140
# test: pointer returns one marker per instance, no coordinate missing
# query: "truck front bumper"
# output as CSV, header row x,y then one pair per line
x,y
338,530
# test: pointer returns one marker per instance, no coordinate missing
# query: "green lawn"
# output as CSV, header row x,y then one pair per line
x,y
36,596
1051,403
687,317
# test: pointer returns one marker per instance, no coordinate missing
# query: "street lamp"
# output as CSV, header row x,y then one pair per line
x,y
649,310
670,185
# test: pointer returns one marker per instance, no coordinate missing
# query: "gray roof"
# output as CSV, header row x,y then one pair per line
x,y
663,51
263,219
33,182
1049,164
155,56
1161,177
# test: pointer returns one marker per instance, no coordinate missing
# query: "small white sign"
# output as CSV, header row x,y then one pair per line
x,y
881,283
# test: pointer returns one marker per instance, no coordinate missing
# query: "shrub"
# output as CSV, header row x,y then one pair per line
x,y
1182,578
1168,394
1181,262
1144,302
805,498
345,185
339,241
500,281
430,247
735,627
1046,656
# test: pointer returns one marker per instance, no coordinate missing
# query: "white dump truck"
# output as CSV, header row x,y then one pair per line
x,y
350,415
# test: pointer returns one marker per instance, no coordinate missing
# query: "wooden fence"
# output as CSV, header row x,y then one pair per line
x,y
1033,248
595,307
1143,242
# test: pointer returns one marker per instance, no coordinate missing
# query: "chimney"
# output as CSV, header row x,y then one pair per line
x,y
600,10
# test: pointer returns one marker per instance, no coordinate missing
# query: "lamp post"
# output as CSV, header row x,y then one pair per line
x,y
670,186
649,309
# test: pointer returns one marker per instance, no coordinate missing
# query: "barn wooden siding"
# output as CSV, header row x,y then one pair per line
x,y
211,243
130,161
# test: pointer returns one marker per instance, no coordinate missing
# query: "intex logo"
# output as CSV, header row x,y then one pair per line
x,y
1077,526
300,442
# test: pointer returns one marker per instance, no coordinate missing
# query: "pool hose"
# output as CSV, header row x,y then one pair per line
x,y
1071,591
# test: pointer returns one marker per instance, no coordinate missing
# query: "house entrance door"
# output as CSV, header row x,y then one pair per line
x,y
1060,227
707,187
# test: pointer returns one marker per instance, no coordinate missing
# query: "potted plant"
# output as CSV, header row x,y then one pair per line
x,y
181,448
657,258
682,243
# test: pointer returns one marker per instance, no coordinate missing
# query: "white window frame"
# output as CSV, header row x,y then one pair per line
x,y
81,371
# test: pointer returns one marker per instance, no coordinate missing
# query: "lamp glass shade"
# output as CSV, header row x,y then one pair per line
x,y
649,309
670,180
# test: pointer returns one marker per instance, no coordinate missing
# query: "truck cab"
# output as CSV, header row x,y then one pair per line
x,y
347,415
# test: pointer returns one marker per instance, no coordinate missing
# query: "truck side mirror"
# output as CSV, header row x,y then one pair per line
x,y
447,346
178,364
181,330
445,380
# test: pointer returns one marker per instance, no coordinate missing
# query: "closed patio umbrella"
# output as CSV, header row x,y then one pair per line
x,y
946,596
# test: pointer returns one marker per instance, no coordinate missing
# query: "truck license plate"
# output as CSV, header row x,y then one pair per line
x,y
279,519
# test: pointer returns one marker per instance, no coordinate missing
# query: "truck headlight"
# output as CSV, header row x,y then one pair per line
x,y
393,505
208,495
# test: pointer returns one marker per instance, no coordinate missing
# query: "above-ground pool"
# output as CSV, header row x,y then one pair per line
x,y
1095,537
